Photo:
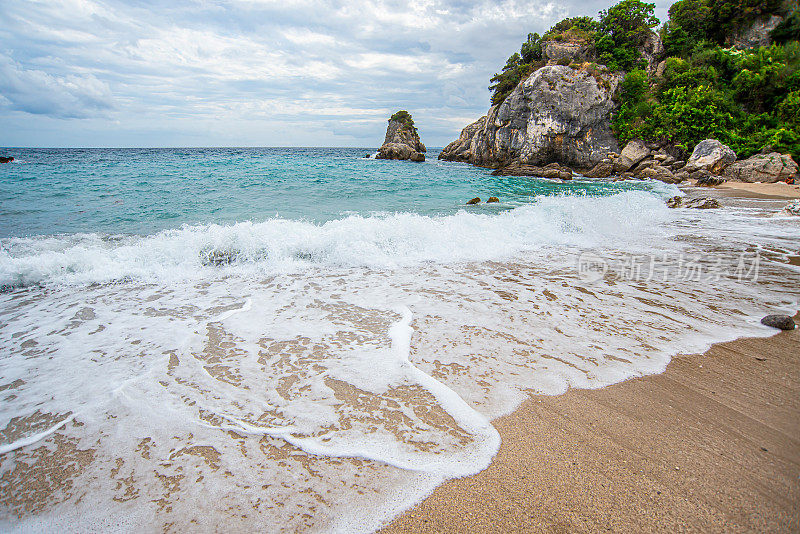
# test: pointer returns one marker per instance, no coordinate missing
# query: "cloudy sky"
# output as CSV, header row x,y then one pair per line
x,y
254,72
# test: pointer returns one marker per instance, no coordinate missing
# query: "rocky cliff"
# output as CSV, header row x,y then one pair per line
x,y
559,114
402,141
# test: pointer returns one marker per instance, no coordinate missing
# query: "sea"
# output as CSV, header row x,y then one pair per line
x,y
311,340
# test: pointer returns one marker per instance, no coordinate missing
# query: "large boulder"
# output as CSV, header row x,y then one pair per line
x,y
634,153
402,141
711,155
772,167
559,114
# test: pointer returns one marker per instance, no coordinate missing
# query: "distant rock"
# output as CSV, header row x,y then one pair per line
x,y
492,199
712,156
6,159
702,203
402,140
783,322
770,168
476,200
559,114
755,35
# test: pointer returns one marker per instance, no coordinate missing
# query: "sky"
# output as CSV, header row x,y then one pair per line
x,y
148,73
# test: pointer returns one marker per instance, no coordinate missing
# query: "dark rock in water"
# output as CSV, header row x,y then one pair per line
x,y
702,203
710,180
674,202
493,199
476,200
6,159
792,208
218,257
367,156
402,140
783,322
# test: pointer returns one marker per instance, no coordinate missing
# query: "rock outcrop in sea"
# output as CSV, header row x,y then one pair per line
x,y
559,114
402,140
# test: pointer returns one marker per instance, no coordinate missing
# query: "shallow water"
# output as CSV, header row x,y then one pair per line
x,y
324,368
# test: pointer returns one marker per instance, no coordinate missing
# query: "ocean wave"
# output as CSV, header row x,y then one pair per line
x,y
379,241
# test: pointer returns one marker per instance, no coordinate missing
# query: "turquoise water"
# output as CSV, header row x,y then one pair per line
x,y
143,191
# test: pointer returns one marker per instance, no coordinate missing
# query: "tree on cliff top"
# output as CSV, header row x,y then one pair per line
x,y
403,117
617,37
623,30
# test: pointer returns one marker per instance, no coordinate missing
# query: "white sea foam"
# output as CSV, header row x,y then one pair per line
x,y
281,245
324,377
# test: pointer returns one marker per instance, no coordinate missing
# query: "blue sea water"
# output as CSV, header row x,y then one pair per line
x,y
143,191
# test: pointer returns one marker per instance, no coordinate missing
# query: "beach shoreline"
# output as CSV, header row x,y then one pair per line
x,y
709,445
758,190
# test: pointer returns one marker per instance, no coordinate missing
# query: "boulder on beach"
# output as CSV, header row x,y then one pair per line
x,y
712,156
633,154
402,140
782,322
769,168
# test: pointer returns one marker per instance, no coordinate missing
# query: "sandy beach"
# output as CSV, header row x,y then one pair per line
x,y
711,445
758,190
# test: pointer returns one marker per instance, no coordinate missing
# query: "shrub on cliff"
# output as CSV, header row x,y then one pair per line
x,y
403,117
747,99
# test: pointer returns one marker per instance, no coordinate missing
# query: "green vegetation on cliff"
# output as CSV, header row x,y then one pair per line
x,y
403,117
706,87
748,99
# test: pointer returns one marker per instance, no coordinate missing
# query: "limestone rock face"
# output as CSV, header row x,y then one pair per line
x,y
401,142
559,114
772,167
757,34
711,155
652,52
579,51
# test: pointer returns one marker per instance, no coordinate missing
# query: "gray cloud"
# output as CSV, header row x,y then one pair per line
x,y
256,72
37,92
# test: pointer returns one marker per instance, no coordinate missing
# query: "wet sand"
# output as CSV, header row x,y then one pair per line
x,y
778,190
710,445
